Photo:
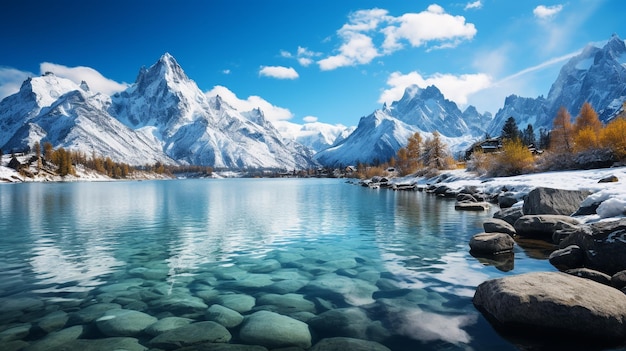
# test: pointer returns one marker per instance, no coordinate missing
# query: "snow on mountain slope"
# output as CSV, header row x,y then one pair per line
x,y
34,95
379,136
315,135
597,75
79,121
195,129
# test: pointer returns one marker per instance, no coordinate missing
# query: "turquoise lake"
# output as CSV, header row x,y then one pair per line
x,y
395,264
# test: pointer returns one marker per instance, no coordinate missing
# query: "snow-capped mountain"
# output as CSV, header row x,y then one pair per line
x,y
195,129
162,117
597,75
380,135
56,110
430,111
316,136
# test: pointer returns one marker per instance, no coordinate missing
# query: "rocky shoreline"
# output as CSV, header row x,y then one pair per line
x,y
586,300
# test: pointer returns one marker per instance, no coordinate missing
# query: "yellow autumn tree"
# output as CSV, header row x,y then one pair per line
x,y
408,158
562,135
515,159
587,128
613,136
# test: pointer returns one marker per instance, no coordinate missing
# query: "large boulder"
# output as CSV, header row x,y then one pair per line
x,y
491,243
603,244
509,215
553,201
495,225
554,303
542,226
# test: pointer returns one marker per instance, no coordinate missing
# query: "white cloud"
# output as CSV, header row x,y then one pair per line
x,y
455,88
226,71
431,25
545,12
305,56
364,26
96,81
309,119
278,72
358,49
11,80
272,112
473,5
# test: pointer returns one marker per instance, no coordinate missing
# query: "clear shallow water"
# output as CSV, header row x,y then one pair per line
x,y
173,248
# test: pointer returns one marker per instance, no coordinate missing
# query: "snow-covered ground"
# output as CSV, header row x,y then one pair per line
x,y
9,175
612,195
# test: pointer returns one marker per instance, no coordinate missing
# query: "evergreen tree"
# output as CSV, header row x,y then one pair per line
x,y
510,131
528,135
544,139
37,148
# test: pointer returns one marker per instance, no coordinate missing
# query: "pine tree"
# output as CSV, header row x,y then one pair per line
x,y
528,136
37,148
510,130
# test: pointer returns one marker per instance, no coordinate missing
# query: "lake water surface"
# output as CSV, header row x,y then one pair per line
x,y
395,265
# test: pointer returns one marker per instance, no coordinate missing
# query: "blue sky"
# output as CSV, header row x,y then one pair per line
x,y
330,61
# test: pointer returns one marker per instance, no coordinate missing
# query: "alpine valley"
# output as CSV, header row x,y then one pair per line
x,y
164,117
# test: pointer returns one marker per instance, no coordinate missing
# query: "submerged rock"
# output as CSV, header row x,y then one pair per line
x,y
273,330
224,316
344,344
554,303
196,333
107,344
166,324
124,322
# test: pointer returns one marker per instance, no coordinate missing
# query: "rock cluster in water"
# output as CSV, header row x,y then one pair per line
x,y
306,298
552,302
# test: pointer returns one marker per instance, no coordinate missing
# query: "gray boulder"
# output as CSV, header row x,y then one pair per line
x,y
603,243
567,258
553,201
590,274
471,206
495,225
491,243
507,199
509,215
344,344
542,226
273,330
192,334
554,302
618,280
